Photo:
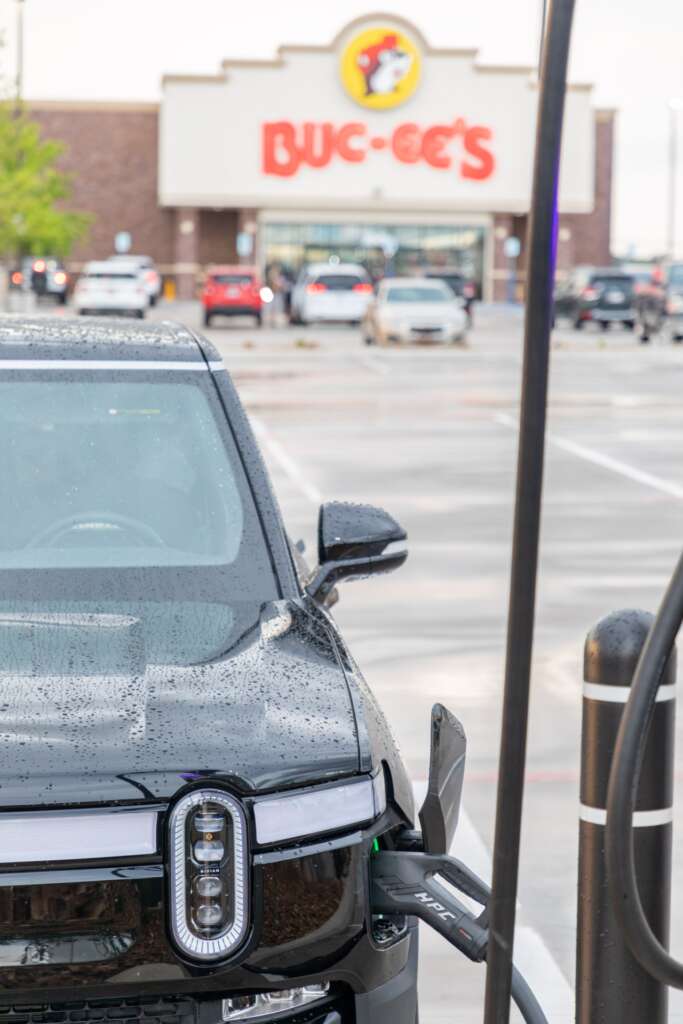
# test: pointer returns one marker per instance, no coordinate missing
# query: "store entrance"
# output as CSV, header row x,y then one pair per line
x,y
385,250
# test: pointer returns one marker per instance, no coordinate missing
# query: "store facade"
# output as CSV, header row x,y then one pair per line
x,y
378,149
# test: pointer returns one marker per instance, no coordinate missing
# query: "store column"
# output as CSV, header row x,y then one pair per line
x,y
186,251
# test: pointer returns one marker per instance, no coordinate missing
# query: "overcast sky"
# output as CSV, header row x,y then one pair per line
x,y
631,50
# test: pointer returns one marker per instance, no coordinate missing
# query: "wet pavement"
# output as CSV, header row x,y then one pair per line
x,y
429,433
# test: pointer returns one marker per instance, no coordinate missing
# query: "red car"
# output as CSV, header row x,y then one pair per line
x,y
232,291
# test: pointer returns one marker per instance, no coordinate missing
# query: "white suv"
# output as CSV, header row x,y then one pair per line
x,y
111,287
331,292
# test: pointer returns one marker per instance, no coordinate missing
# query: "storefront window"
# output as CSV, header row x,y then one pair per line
x,y
383,249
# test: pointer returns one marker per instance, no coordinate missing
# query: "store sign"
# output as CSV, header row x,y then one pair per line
x,y
378,120
457,147
380,68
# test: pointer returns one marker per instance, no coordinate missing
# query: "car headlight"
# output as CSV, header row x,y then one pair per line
x,y
320,810
209,874
255,1007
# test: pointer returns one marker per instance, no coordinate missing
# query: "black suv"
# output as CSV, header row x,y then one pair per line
x,y
193,772
592,295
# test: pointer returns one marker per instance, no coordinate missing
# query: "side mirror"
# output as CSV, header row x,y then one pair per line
x,y
441,809
354,541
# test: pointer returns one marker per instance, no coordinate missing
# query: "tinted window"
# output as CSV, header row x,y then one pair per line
x,y
232,278
111,277
612,281
417,293
340,282
124,498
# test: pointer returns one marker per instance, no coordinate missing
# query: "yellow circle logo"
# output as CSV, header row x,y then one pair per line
x,y
380,68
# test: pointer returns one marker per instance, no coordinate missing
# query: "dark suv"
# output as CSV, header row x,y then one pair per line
x,y
590,294
193,772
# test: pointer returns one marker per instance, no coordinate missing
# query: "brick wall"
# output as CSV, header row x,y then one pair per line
x,y
111,152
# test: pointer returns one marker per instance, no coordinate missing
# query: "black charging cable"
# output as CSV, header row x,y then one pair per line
x,y
406,882
623,786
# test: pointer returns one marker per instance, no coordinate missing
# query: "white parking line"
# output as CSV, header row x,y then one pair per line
x,y
606,461
285,462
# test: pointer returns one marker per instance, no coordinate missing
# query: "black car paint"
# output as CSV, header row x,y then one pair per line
x,y
342,733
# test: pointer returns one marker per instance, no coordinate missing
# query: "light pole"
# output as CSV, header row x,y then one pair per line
x,y
675,107
20,50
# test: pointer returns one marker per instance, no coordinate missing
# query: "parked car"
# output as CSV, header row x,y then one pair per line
x,y
459,285
43,275
331,292
111,287
232,291
193,772
412,309
150,274
595,295
660,304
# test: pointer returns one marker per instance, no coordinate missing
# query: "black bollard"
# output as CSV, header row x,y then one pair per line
x,y
610,984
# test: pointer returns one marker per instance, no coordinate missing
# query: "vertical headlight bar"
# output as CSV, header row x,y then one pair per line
x,y
209,874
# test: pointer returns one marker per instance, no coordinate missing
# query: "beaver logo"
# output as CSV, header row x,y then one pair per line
x,y
380,68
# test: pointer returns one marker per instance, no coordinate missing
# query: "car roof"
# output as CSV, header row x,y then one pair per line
x,y
43,338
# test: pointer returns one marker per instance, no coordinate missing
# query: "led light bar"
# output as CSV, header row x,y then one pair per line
x,y
209,874
77,835
297,815
271,1004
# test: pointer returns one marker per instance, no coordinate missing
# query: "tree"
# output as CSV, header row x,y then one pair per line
x,y
32,190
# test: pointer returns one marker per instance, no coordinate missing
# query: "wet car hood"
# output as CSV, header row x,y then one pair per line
x,y
274,711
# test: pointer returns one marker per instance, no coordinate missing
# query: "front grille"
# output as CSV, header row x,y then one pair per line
x,y
145,1010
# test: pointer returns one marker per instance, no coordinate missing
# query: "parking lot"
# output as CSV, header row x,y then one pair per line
x,y
430,434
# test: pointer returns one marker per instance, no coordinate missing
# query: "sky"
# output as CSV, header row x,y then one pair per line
x,y
629,49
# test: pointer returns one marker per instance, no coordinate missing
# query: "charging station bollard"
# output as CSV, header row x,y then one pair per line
x,y
610,984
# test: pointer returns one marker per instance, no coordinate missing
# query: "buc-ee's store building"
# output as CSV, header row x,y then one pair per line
x,y
378,149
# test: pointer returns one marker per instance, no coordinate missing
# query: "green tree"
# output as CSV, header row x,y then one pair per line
x,y
33,220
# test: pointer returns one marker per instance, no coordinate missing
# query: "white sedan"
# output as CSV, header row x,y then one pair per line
x,y
114,287
409,309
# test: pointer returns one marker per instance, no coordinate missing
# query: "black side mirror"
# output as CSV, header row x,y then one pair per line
x,y
355,541
441,809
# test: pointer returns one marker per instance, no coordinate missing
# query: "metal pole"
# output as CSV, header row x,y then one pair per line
x,y
540,278
673,174
544,17
610,984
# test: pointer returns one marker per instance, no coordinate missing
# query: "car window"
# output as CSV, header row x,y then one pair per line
x,y
109,276
417,293
127,498
614,281
340,282
453,281
676,274
232,278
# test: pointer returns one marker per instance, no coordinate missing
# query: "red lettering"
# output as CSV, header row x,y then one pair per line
x,y
486,161
318,144
354,154
406,143
280,153
434,142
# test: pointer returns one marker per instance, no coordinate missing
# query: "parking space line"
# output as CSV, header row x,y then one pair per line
x,y
287,464
639,476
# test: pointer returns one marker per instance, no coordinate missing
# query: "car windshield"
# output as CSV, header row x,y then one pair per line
x,y
417,293
124,506
232,278
339,282
612,282
109,276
